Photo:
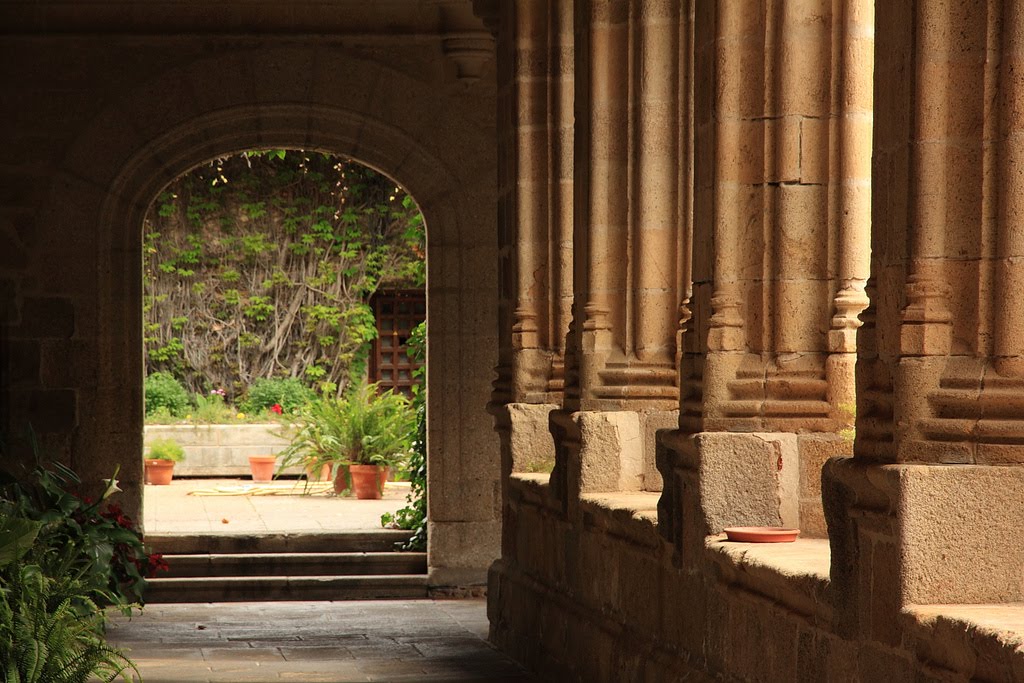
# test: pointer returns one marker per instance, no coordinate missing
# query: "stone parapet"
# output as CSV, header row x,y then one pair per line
x,y
920,534
601,597
220,450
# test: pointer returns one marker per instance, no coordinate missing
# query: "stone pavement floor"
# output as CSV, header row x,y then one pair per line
x,y
385,640
171,509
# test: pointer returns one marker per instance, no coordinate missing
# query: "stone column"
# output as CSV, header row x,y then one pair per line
x,y
629,230
920,514
536,175
631,236
782,144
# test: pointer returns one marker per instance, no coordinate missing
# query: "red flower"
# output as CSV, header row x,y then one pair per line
x,y
276,408
116,515
155,563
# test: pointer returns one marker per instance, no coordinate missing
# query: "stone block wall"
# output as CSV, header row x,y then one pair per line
x,y
220,450
608,598
107,104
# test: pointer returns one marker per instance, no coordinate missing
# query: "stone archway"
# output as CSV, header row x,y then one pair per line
x,y
312,98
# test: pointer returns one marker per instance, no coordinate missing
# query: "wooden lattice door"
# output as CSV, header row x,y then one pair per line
x,y
396,313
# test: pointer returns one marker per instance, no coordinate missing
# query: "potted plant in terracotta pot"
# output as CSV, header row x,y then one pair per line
x,y
159,463
359,434
315,436
379,430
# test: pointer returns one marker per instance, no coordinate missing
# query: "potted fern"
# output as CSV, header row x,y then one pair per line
x,y
163,453
360,434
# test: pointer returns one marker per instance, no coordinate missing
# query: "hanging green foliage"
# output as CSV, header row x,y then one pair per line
x,y
261,265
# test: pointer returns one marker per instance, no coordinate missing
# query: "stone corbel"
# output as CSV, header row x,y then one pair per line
x,y
464,38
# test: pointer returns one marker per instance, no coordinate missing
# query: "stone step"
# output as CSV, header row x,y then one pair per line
x,y
378,540
294,564
264,588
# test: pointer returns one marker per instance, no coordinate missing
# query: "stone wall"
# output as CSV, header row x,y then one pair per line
x,y
106,104
606,597
220,450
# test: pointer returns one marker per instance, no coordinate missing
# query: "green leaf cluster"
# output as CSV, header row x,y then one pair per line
x,y
262,265
163,391
366,427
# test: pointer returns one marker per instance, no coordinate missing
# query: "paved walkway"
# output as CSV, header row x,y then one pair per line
x,y
171,508
392,640
409,640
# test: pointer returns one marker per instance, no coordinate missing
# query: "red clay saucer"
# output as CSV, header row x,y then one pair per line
x,y
761,534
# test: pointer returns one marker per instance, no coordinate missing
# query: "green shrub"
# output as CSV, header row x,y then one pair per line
x,y
211,409
166,449
291,394
163,391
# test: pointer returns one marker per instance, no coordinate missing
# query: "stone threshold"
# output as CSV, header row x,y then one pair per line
x,y
795,575
986,641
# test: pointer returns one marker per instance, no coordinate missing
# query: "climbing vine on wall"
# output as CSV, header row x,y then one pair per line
x,y
262,265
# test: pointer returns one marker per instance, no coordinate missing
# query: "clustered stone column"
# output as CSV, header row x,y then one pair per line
x,y
929,509
535,64
631,239
781,220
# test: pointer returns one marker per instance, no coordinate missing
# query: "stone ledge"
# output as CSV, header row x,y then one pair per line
x,y
795,575
985,642
534,489
629,515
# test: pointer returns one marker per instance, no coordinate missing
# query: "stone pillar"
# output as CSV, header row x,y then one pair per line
x,y
922,514
782,140
536,204
782,209
629,232
536,172
631,236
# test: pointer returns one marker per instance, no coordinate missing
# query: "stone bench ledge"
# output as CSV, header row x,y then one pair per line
x,y
632,515
533,489
984,642
795,575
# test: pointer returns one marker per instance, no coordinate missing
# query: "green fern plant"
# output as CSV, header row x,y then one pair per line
x,y
50,632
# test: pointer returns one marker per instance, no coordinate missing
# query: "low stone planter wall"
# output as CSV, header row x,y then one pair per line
x,y
219,450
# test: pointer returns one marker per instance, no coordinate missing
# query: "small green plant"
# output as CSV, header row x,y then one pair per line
x,y
166,449
163,391
211,409
50,632
288,393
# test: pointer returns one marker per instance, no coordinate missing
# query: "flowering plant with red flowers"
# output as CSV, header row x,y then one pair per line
x,y
276,409
92,540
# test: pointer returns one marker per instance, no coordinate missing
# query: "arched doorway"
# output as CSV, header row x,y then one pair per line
x,y
348,106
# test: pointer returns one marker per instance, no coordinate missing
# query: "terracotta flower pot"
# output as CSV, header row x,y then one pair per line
x,y
385,472
323,474
159,472
366,481
342,480
262,467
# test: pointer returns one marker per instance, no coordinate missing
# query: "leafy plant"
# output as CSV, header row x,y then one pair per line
x,y
262,265
363,427
50,632
289,393
166,449
378,426
163,391
211,409
93,542
414,515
